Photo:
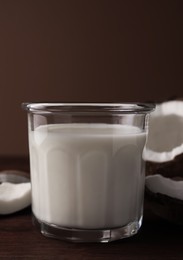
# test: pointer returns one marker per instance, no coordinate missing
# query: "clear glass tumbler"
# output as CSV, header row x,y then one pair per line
x,y
87,171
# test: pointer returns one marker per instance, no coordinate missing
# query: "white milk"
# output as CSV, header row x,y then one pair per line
x,y
88,176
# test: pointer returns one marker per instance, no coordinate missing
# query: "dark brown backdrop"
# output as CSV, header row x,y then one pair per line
x,y
85,50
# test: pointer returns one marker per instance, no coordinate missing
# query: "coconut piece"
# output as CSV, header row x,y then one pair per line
x,y
159,184
164,149
14,197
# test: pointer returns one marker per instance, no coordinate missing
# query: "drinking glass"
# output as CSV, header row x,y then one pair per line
x,y
87,171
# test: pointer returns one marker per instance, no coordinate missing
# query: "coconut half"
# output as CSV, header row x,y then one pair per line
x,y
164,161
164,149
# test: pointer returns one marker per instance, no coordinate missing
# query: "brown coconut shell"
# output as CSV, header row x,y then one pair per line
x,y
170,169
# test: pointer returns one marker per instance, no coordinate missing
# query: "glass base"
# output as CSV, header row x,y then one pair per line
x,y
87,235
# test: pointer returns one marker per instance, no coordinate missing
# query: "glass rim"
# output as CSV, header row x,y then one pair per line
x,y
56,107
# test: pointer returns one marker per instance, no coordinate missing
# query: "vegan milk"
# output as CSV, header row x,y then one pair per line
x,y
88,176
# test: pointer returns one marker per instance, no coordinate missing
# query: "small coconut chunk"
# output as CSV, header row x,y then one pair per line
x,y
14,197
165,138
160,184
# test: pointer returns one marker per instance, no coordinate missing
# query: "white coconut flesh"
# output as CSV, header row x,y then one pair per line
x,y
14,197
159,184
165,137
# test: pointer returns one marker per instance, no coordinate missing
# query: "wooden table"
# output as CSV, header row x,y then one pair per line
x,y
19,239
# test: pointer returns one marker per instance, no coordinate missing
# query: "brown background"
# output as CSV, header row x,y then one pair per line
x,y
85,50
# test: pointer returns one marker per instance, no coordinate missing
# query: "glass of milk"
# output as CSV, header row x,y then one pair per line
x,y
87,172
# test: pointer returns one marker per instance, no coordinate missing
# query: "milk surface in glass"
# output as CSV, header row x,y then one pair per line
x,y
88,176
